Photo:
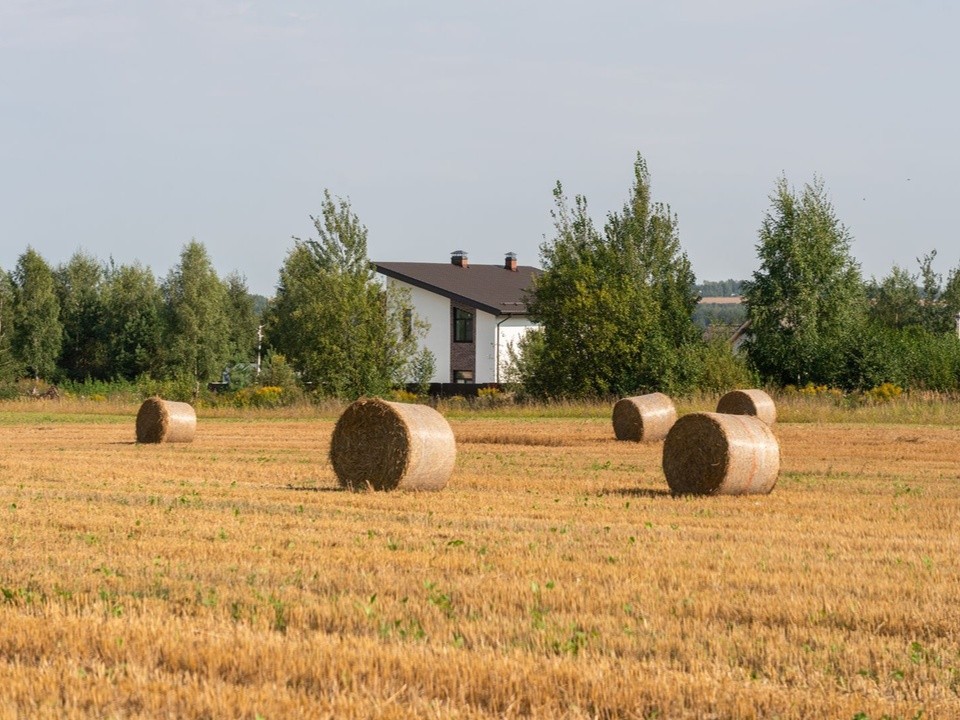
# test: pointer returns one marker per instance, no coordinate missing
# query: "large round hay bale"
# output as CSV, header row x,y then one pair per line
x,y
644,417
717,454
749,402
382,445
160,421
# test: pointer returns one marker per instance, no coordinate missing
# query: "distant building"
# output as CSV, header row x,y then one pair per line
x,y
475,312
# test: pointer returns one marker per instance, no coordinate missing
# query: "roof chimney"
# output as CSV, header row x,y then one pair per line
x,y
459,258
510,263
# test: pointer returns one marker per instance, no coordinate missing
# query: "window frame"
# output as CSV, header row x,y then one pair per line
x,y
463,326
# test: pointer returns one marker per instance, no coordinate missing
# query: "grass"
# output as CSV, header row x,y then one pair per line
x,y
553,577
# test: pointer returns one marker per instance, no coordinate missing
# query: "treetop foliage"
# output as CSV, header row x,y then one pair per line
x,y
341,244
615,307
806,301
344,332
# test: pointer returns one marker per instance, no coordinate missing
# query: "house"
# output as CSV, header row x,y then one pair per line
x,y
475,312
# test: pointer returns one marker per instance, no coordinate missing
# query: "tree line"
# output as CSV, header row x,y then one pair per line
x,y
330,328
616,305
89,319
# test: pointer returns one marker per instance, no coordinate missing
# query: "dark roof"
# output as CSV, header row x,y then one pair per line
x,y
491,288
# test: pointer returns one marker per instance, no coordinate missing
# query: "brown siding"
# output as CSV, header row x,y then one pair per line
x,y
463,356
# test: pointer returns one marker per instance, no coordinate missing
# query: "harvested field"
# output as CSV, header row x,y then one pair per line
x,y
553,577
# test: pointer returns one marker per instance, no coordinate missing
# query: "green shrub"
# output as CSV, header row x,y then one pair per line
x,y
715,367
403,396
885,392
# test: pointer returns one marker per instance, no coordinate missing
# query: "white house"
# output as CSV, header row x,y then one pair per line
x,y
475,312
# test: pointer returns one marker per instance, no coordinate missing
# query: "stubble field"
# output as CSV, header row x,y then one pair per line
x,y
553,577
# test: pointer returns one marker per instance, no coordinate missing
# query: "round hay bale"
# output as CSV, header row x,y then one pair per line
x,y
749,402
380,445
644,418
716,454
160,421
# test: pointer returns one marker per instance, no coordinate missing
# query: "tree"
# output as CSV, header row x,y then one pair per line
x,y
79,286
133,322
895,300
338,327
197,322
243,319
941,303
615,308
951,296
8,364
37,332
806,301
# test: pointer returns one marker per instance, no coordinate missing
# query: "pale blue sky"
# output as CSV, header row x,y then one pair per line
x,y
129,127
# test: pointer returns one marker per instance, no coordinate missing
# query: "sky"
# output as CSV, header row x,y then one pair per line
x,y
129,128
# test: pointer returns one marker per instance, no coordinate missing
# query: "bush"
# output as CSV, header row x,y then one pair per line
x,y
403,396
277,372
182,389
911,358
492,397
715,367
885,392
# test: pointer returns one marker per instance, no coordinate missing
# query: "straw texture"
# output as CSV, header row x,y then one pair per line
x,y
749,402
716,454
380,445
160,421
644,417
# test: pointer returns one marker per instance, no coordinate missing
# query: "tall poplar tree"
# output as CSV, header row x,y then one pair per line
x,y
8,364
806,301
197,323
79,285
242,318
37,331
133,322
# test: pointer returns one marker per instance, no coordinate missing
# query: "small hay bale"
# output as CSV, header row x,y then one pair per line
x,y
382,445
749,402
715,454
644,418
160,421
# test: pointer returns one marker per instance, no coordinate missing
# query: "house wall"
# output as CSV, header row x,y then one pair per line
x,y
511,331
488,335
435,310
486,325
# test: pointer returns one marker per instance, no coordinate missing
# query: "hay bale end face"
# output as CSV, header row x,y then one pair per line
x,y
749,402
380,445
716,454
646,418
160,421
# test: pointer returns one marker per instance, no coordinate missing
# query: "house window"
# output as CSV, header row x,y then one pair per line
x,y
462,326
461,377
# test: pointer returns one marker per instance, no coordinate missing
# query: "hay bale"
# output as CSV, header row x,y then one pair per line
x,y
644,418
749,402
716,454
380,445
160,421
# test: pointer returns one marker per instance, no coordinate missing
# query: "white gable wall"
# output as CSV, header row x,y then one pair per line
x,y
511,330
485,334
435,310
